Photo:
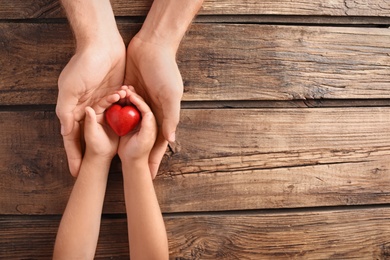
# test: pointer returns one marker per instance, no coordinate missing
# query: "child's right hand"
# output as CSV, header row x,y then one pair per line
x,y
136,145
101,141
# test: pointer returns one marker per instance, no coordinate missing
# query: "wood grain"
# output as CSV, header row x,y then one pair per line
x,y
283,146
284,63
239,153
25,9
32,165
252,159
219,62
301,7
319,234
346,234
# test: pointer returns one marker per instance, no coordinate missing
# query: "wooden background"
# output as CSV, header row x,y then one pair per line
x,y
283,148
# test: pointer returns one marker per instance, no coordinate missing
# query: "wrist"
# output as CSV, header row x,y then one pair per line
x,y
93,23
168,21
98,161
134,166
136,172
93,170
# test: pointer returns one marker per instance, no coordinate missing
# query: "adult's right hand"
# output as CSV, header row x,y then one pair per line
x,y
90,75
96,70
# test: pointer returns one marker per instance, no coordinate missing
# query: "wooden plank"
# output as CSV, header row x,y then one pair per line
x,y
25,9
328,234
20,9
219,62
34,237
241,159
284,63
269,7
355,183
261,158
312,20
32,163
32,57
355,234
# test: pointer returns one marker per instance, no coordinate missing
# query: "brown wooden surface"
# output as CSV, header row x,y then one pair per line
x,y
263,62
263,159
318,234
283,147
22,9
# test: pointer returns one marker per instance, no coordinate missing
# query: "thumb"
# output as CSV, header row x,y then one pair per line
x,y
70,130
64,110
171,117
90,118
66,121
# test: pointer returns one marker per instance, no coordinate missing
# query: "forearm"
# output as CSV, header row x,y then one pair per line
x,y
168,21
147,234
92,21
79,228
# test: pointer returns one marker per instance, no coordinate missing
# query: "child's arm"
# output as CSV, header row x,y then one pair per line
x,y
147,234
79,228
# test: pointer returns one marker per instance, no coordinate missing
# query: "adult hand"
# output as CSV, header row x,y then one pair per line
x,y
91,74
152,69
96,70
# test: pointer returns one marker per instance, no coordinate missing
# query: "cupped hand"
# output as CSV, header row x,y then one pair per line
x,y
137,145
101,141
153,71
90,75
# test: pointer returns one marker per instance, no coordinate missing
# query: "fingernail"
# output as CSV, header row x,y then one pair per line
x,y
172,137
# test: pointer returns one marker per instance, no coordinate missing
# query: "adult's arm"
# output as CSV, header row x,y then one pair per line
x,y
152,68
96,69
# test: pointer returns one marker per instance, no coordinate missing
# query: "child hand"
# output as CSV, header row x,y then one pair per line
x,y
137,145
101,141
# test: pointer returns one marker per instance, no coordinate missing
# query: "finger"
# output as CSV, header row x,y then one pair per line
x,y
124,99
70,131
157,154
64,111
148,127
130,87
90,118
107,101
171,117
73,149
137,101
121,93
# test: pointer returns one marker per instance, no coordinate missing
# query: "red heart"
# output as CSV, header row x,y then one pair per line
x,y
122,119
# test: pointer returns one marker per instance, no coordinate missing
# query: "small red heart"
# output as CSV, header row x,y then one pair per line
x,y
122,119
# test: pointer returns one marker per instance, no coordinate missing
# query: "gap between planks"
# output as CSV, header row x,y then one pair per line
x,y
248,212
291,20
239,104
298,20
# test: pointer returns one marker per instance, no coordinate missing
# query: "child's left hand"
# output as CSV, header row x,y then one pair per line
x,y
138,144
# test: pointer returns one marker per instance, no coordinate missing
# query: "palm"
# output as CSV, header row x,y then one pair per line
x,y
154,73
86,79
100,138
95,76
